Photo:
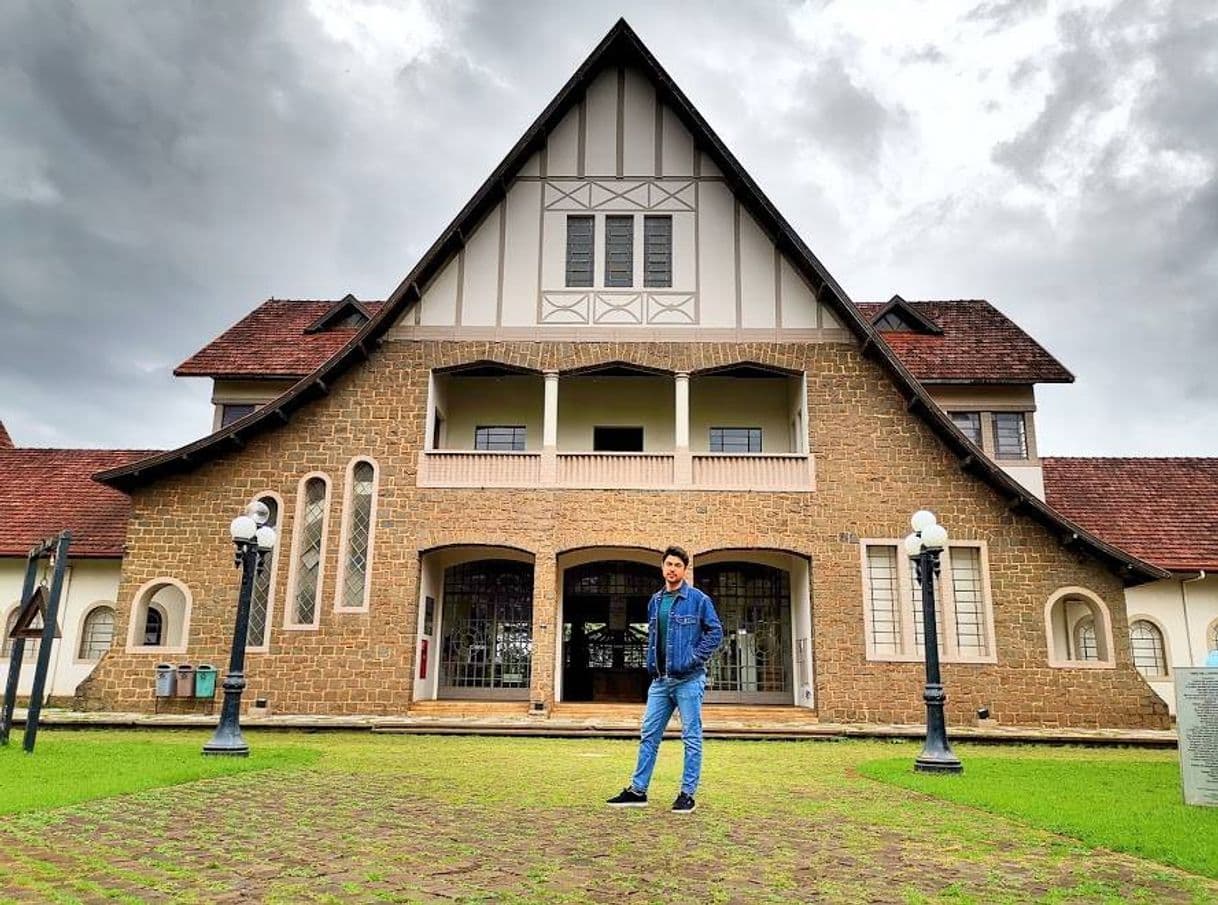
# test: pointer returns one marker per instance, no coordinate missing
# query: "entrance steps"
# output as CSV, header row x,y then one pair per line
x,y
713,715
470,709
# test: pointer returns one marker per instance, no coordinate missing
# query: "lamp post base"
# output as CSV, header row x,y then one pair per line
x,y
215,750
943,762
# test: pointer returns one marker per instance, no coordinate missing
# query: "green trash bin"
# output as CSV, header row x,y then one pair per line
x,y
205,681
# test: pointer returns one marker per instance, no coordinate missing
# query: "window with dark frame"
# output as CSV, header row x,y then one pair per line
x,y
619,251
969,424
657,251
231,413
735,439
1010,435
500,438
617,439
579,251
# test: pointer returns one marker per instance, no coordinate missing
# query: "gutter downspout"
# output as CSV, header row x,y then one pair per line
x,y
1188,631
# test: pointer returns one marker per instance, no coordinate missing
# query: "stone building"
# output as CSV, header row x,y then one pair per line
x,y
617,344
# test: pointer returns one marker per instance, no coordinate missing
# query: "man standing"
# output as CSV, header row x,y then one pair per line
x,y
683,632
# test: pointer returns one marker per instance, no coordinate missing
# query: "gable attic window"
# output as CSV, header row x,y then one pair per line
x,y
579,251
969,424
619,251
892,321
230,413
657,251
1010,435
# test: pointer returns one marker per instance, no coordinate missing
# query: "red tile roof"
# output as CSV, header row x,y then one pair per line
x,y
271,342
43,491
1164,511
979,344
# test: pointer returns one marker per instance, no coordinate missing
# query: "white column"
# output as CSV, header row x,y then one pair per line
x,y
549,430
683,465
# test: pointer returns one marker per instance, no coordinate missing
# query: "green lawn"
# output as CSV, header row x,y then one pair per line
x,y
357,817
70,768
1131,805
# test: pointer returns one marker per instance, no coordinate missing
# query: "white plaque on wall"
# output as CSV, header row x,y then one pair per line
x,y
1197,728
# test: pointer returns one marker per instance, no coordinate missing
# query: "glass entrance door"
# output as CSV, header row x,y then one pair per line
x,y
486,627
605,631
753,665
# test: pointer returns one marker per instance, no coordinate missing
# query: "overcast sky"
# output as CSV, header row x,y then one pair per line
x,y
166,166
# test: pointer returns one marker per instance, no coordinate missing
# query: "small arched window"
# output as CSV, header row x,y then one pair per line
x,y
1085,646
357,535
154,628
31,644
97,633
1149,652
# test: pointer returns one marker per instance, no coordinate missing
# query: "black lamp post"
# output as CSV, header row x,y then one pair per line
x,y
253,539
924,546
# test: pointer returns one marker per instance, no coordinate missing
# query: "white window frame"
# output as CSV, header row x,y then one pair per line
x,y
945,605
142,602
273,560
1103,632
84,624
1158,626
289,602
347,516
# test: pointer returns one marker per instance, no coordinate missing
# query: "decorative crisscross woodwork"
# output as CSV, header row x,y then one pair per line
x,y
359,533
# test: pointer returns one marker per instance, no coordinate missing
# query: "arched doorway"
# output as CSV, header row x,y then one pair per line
x,y
486,630
605,630
754,663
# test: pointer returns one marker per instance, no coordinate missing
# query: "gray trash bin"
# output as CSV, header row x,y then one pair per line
x,y
164,680
186,680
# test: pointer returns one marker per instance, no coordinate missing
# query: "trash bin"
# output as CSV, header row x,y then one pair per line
x,y
186,680
164,680
205,681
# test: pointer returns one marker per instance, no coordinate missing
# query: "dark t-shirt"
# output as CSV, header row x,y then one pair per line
x,y
662,615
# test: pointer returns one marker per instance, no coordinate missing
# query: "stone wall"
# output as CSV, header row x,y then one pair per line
x,y
875,463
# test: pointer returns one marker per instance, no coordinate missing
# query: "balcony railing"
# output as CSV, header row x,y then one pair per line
x,y
615,470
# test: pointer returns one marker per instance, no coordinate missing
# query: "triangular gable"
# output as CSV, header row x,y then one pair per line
x,y
621,47
347,313
900,316
32,617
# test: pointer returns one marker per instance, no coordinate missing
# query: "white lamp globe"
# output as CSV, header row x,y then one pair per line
x,y
258,511
266,538
913,545
935,537
922,519
243,528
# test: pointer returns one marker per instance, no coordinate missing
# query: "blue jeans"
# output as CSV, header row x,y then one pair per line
x,y
664,696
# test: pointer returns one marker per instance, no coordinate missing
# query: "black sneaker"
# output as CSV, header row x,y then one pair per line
x,y
684,804
628,798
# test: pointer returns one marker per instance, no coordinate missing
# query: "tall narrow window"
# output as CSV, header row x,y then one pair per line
x,y
657,251
1149,653
357,550
261,603
1010,436
967,594
311,527
883,588
579,251
969,424
619,251
919,624
96,634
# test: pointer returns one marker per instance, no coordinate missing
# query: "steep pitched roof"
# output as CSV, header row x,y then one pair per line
x,y
1163,510
975,343
621,46
44,491
281,339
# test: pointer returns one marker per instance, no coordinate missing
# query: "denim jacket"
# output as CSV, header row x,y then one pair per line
x,y
694,632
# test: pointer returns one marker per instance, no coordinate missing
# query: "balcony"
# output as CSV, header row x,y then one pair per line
x,y
617,427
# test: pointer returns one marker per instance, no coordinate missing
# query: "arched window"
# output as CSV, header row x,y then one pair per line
x,y
96,633
31,644
1085,646
309,550
357,536
154,628
260,602
1149,652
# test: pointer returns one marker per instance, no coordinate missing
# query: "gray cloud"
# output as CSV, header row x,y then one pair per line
x,y
164,167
